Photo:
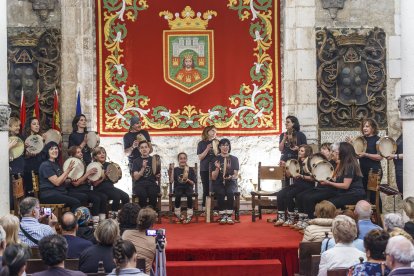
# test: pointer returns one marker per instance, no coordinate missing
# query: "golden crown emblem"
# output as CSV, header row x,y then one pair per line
x,y
189,20
24,39
188,56
350,39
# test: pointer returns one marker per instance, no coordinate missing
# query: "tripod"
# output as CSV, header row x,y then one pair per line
x,y
160,260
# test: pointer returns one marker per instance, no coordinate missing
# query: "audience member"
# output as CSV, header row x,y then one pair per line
x,y
106,234
75,244
125,257
53,250
325,211
399,255
31,230
84,231
343,254
127,216
375,242
14,260
393,220
363,213
11,225
409,211
145,245
3,244
400,232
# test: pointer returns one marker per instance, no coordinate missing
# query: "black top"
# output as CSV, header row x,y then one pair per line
x,y
148,176
46,170
399,162
17,165
367,163
129,139
106,183
202,145
179,171
86,233
76,246
301,180
356,184
90,258
75,139
52,271
287,152
232,165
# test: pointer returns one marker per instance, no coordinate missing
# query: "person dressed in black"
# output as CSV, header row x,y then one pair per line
x,y
145,181
398,164
290,140
206,154
78,137
184,181
52,181
224,173
301,183
106,186
82,185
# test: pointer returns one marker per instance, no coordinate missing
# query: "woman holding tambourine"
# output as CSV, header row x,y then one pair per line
x,y
79,136
290,140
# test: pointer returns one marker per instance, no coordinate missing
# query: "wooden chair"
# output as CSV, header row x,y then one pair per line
x,y
315,261
306,250
342,271
72,264
18,193
261,198
171,195
35,254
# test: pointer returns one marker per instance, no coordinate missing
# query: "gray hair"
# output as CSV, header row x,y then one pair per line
x,y
363,209
27,205
344,229
393,220
401,249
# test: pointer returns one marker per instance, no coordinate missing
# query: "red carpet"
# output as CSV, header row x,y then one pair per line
x,y
241,241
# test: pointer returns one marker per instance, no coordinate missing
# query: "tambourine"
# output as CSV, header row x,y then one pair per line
x,y
18,149
92,139
141,137
306,169
34,144
360,144
99,174
386,146
52,135
114,172
292,167
156,164
323,170
78,168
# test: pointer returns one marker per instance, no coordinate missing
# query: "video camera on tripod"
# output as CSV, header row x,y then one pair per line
x,y
160,265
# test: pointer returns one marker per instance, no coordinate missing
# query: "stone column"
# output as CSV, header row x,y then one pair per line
x,y
407,92
4,113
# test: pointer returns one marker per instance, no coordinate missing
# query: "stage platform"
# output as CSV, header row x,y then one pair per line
x,y
242,241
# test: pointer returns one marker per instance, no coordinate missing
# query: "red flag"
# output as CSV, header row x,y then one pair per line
x,y
56,114
36,109
22,111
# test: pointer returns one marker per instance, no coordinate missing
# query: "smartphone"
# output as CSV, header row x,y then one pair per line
x,y
47,211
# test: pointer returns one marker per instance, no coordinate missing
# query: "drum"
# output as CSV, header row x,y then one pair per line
x,y
360,144
156,164
99,174
323,170
78,169
34,144
292,167
114,172
386,146
92,139
53,135
215,144
18,149
306,168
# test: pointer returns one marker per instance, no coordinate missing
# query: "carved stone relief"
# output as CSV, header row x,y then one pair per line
x,y
43,8
351,77
34,65
333,6
4,117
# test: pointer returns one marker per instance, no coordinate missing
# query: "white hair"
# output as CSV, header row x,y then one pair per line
x,y
363,209
401,249
393,220
344,229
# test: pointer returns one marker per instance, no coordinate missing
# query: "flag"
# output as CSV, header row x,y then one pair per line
x,y
36,109
78,105
22,111
56,115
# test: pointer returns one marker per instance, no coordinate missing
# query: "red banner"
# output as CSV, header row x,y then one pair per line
x,y
182,65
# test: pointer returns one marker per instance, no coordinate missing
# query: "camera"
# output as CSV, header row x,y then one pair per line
x,y
155,232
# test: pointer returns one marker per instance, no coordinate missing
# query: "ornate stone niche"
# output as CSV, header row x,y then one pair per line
x,y
351,77
34,65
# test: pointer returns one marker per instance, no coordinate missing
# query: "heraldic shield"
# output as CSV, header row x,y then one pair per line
x,y
188,59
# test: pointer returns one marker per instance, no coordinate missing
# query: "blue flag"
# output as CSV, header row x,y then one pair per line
x,y
78,105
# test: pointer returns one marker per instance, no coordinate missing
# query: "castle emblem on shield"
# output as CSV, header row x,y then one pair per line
x,y
188,50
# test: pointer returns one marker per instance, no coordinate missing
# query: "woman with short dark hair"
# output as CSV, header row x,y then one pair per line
x,y
15,259
290,140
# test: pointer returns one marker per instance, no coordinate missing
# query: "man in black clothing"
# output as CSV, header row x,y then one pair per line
x,y
75,244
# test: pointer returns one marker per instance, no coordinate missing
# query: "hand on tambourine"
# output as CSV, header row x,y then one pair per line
x,y
135,144
209,146
71,166
12,144
144,163
92,171
217,164
190,182
348,139
295,148
324,182
362,154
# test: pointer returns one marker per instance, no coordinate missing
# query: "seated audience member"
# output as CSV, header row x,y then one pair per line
x,y
14,260
106,234
409,211
399,256
393,220
3,244
53,251
325,213
125,256
31,230
145,245
343,254
127,216
400,232
375,242
363,212
84,231
11,225
75,244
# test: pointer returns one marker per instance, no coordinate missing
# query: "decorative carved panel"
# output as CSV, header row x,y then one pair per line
x,y
34,65
351,77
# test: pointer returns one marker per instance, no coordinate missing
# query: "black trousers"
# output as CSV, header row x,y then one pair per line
x,y
98,200
307,200
205,180
183,190
147,192
71,199
347,198
399,180
225,195
285,197
116,195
